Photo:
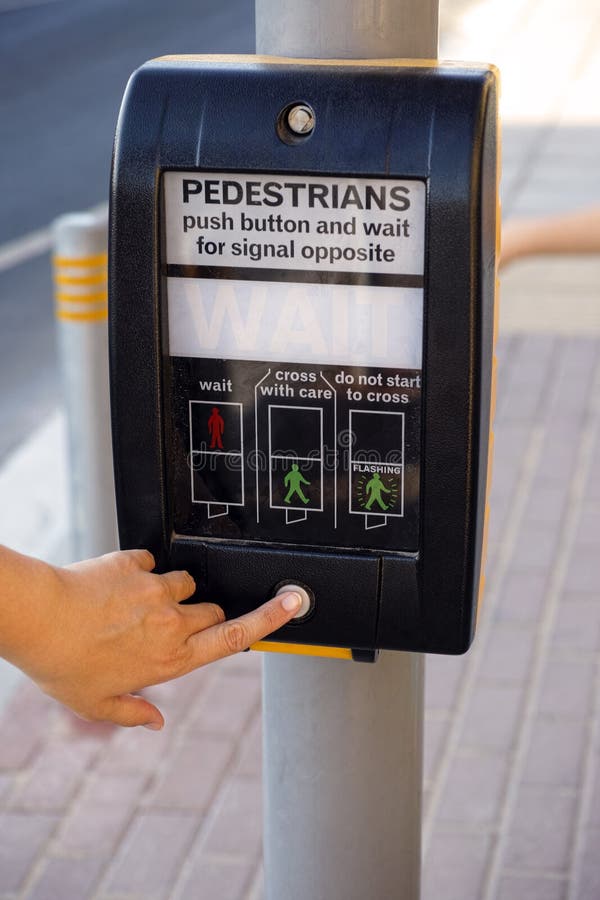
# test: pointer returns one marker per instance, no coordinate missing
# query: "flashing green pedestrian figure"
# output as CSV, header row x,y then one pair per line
x,y
293,480
374,487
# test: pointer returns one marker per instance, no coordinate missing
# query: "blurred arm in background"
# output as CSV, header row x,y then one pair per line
x,y
575,232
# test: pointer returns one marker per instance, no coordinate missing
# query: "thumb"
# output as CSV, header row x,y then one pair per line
x,y
129,711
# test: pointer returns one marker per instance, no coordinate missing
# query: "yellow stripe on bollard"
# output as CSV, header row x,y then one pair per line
x,y
98,315
82,298
81,280
91,262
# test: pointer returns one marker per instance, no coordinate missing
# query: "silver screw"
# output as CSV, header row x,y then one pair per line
x,y
301,119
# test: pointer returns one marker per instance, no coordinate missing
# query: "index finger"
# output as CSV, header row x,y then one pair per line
x,y
238,634
143,558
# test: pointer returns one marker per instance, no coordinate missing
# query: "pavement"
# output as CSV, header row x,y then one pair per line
x,y
512,729
512,737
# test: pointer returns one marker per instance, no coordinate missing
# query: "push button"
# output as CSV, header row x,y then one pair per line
x,y
307,600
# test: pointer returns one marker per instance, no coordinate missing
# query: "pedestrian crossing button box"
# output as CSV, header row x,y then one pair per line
x,y
301,339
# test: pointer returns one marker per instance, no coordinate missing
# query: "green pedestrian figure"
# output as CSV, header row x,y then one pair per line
x,y
293,480
374,487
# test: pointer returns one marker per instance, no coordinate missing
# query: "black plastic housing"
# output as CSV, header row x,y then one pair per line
x,y
424,121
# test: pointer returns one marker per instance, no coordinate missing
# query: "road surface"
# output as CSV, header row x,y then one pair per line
x,y
63,68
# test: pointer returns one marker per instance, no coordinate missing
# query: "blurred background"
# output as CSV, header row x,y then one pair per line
x,y
63,69
512,749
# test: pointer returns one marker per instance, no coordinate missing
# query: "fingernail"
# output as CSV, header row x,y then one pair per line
x,y
153,726
291,602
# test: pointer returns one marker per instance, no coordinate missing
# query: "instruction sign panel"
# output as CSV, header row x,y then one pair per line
x,y
285,222
295,321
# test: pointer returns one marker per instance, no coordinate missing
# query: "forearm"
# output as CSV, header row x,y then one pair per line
x,y
577,232
29,593
95,633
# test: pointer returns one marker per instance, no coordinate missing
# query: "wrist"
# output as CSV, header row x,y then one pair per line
x,y
31,600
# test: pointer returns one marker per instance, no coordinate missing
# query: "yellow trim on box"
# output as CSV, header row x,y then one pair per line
x,y
494,389
490,462
90,262
494,375
497,295
303,649
98,315
249,59
81,280
390,62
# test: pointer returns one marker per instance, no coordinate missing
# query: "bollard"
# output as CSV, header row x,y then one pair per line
x,y
80,265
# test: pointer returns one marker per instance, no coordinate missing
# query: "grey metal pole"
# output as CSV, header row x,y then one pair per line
x,y
80,287
343,741
347,29
342,773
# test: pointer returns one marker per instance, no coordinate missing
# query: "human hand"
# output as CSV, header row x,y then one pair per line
x,y
112,628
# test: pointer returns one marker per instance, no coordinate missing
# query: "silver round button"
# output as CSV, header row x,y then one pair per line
x,y
305,605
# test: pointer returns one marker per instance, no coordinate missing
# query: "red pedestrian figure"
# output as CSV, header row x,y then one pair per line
x,y
216,427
